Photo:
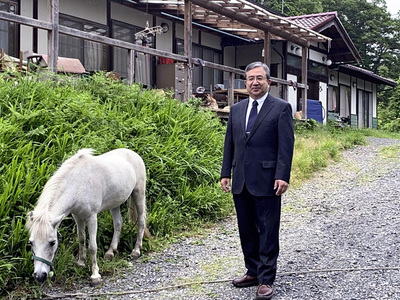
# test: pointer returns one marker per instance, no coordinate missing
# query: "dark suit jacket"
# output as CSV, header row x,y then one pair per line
x,y
263,156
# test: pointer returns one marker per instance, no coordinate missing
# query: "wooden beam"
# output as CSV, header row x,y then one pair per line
x,y
188,49
254,22
25,20
267,48
131,66
53,35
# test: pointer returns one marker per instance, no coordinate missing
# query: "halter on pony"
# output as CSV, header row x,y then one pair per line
x,y
49,263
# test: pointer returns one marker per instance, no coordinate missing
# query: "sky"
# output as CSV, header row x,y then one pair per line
x,y
393,6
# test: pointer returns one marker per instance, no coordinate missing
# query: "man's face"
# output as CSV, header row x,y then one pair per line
x,y
257,83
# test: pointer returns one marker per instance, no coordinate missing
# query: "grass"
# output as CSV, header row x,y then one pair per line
x,y
44,122
392,152
318,146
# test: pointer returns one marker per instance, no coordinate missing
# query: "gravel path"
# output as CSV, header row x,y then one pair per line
x,y
339,240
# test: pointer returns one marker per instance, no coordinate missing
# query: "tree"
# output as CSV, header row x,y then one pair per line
x,y
389,114
376,38
294,7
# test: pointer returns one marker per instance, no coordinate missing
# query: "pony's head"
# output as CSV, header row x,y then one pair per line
x,y
44,242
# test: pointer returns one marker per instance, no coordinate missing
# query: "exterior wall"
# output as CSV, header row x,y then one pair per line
x,y
96,13
129,15
229,55
180,34
164,41
85,9
333,78
360,106
211,40
317,56
42,34
26,36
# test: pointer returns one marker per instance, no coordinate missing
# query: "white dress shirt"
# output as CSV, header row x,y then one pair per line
x,y
260,103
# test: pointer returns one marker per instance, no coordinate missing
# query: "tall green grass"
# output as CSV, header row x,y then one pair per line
x,y
318,145
44,122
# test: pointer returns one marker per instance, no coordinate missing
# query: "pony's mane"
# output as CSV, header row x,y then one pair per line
x,y
52,186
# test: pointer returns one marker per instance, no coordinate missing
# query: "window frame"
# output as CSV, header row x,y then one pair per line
x,y
12,30
101,62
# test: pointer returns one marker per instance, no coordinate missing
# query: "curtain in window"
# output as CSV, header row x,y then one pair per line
x,y
93,56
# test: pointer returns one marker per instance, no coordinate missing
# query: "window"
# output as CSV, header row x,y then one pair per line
x,y
126,32
294,61
317,68
92,55
9,35
202,76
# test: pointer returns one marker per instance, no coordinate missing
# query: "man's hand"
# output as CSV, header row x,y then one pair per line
x,y
280,186
226,184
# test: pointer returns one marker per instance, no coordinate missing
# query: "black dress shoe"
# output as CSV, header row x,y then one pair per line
x,y
264,291
245,281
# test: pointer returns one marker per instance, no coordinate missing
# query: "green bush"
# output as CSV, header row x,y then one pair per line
x,y
388,110
44,122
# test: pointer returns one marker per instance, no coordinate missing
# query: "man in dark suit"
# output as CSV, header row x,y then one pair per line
x,y
258,153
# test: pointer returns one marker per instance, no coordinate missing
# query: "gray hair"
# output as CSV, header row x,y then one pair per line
x,y
258,64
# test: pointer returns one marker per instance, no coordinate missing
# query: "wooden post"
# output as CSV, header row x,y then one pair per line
x,y
131,66
21,58
304,71
188,50
267,48
53,35
231,92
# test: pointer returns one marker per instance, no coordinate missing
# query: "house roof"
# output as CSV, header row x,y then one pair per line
x,y
243,18
342,48
365,74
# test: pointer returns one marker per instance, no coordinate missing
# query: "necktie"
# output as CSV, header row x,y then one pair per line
x,y
252,116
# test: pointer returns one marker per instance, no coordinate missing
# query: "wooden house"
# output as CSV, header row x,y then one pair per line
x,y
194,46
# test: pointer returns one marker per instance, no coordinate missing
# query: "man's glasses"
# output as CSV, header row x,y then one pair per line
x,y
254,78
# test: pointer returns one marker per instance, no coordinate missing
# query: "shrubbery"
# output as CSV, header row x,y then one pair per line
x,y
44,122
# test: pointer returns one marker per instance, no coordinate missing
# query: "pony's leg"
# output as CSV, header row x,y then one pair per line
x,y
117,221
92,229
140,203
80,227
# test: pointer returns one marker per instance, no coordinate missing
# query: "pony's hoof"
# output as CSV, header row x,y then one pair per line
x,y
109,256
135,254
95,281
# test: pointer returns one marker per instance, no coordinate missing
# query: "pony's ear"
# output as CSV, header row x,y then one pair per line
x,y
29,219
57,221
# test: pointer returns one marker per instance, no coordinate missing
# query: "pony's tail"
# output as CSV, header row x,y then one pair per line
x,y
133,216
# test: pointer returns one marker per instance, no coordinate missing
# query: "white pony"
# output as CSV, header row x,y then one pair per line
x,y
83,186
